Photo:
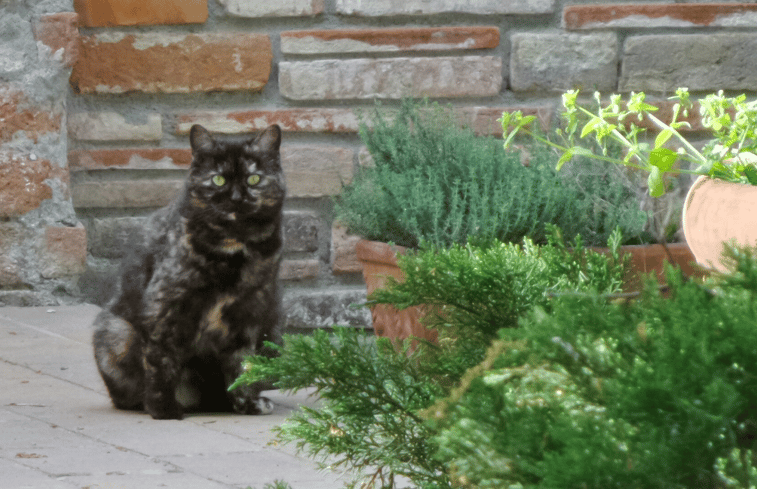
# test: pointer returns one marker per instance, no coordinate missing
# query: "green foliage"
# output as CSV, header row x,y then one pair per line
x,y
433,181
487,285
658,393
738,471
729,155
371,396
372,393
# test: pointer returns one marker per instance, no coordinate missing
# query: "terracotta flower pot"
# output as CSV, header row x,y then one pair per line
x,y
379,261
650,258
716,212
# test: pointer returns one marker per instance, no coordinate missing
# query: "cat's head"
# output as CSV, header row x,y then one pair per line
x,y
236,180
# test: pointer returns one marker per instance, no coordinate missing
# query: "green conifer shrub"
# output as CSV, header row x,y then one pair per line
x,y
372,393
658,393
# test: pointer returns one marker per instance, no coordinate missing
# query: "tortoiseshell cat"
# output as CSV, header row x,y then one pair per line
x,y
199,291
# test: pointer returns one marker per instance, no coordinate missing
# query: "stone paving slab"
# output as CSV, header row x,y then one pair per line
x,y
59,430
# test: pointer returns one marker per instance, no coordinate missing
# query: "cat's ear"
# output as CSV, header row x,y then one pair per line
x,y
270,139
200,138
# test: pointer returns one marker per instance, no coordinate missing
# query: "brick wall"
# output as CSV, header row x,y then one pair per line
x,y
145,71
43,246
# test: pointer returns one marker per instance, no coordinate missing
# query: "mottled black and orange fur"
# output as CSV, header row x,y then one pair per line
x,y
199,291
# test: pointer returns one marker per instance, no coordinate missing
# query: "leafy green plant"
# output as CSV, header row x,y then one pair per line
x,y
730,154
658,393
433,181
373,393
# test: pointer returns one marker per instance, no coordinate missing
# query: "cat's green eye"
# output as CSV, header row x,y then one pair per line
x,y
219,181
253,180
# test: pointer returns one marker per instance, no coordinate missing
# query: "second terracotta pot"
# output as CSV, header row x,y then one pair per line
x,y
716,212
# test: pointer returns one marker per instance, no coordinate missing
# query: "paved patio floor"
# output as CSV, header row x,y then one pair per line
x,y
58,429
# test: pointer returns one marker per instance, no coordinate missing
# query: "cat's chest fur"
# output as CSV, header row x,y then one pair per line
x,y
210,292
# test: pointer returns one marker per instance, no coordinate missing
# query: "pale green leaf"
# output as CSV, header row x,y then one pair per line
x,y
663,138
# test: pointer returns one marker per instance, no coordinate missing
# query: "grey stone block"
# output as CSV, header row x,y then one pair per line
x,y
325,308
300,231
334,79
558,62
109,237
662,63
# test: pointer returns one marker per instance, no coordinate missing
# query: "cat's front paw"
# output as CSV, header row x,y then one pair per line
x,y
258,405
167,409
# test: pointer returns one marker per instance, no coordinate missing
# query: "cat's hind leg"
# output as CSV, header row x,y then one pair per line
x,y
118,354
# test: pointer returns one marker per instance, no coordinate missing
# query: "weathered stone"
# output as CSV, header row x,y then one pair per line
x,y
22,298
306,309
298,119
388,40
298,269
65,251
11,236
465,76
343,257
102,13
558,62
18,50
59,32
23,184
316,171
110,237
655,15
111,126
140,159
125,193
279,8
300,231
17,113
161,62
425,7
664,62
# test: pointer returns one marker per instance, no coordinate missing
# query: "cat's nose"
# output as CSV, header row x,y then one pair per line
x,y
236,194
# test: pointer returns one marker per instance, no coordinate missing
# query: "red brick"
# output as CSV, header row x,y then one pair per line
x,y
101,13
299,119
343,257
660,15
65,251
112,62
485,120
18,114
150,159
388,40
298,269
59,31
22,183
665,114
